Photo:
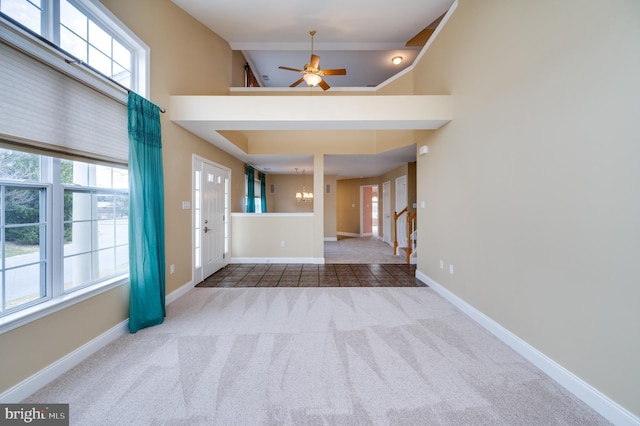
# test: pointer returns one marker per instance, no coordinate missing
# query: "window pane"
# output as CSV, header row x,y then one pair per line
x,y
22,285
79,238
122,232
99,61
77,271
73,19
21,166
106,235
106,263
122,260
122,206
22,205
121,55
105,206
99,39
120,178
77,205
73,44
23,253
121,75
103,176
27,13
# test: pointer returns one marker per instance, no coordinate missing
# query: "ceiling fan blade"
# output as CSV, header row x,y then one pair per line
x,y
314,62
290,69
341,71
324,85
297,82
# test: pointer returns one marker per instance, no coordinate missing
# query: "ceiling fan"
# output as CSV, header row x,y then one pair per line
x,y
312,72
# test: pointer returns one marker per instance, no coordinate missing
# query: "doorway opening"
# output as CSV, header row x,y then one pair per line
x,y
369,214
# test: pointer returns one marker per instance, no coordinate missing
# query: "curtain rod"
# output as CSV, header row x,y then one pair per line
x,y
110,80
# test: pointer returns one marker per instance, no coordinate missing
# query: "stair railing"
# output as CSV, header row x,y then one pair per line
x,y
410,221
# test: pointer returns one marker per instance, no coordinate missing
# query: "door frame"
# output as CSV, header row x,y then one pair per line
x,y
386,212
197,272
401,182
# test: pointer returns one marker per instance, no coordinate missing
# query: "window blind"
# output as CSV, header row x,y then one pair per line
x,y
41,107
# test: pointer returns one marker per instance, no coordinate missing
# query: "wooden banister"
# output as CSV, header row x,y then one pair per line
x,y
410,219
396,215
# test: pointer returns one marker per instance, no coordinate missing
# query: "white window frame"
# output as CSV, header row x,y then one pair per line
x,y
34,45
55,297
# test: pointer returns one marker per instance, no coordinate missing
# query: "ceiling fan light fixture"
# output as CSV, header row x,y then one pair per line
x,y
312,79
396,60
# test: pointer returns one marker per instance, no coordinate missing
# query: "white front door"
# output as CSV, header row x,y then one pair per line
x,y
401,203
210,218
386,212
213,218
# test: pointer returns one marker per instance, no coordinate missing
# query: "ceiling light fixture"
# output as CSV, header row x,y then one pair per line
x,y
304,196
396,60
312,79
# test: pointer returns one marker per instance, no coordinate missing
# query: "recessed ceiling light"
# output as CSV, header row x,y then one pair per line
x,y
396,60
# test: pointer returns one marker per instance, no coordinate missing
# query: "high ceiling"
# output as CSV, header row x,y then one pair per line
x,y
353,34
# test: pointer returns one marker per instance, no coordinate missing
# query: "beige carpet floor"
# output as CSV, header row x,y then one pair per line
x,y
313,356
361,250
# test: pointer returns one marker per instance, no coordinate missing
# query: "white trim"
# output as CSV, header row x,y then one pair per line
x,y
276,260
51,372
178,293
608,408
331,238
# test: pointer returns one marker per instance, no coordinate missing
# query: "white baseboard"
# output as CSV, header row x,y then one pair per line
x,y
51,372
276,260
178,293
607,408
43,377
331,238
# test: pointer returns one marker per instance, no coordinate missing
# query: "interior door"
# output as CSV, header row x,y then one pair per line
x,y
213,218
386,212
401,203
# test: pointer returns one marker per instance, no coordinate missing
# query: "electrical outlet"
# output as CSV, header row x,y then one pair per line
x,y
450,269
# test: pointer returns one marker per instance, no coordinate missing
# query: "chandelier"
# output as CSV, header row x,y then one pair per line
x,y
304,196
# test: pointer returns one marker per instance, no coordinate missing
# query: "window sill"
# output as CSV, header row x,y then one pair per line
x,y
41,310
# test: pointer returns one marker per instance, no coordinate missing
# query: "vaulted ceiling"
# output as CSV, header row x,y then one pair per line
x,y
359,36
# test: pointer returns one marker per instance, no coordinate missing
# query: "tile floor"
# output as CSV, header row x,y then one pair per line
x,y
311,275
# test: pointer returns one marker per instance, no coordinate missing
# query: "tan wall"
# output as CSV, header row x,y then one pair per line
x,y
238,62
273,236
330,206
532,190
28,349
284,198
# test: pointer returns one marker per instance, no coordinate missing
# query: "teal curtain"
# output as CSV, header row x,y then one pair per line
x,y
146,215
263,193
251,200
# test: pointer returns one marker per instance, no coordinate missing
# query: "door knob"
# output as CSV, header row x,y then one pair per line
x,y
206,229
